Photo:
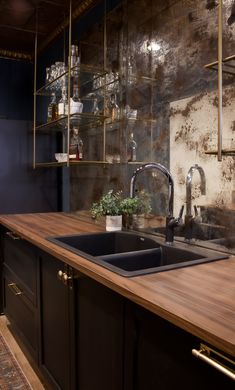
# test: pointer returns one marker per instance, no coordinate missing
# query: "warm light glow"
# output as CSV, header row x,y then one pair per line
x,y
153,46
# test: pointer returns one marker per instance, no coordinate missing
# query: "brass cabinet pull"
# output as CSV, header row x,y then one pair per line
x,y
204,355
15,288
66,277
60,274
12,235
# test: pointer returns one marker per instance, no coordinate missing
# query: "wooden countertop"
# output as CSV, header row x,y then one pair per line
x,y
199,299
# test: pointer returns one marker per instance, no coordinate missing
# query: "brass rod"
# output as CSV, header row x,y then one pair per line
x,y
220,79
226,59
104,86
203,355
35,100
69,80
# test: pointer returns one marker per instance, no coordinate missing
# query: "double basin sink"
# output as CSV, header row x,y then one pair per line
x,y
132,254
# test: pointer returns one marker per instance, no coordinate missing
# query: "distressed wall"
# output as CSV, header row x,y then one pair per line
x,y
170,41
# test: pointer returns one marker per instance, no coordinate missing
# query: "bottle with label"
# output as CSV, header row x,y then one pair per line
x,y
76,146
80,148
74,60
113,108
76,105
63,104
52,110
132,149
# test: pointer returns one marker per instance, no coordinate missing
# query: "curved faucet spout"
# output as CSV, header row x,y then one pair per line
x,y
189,186
165,172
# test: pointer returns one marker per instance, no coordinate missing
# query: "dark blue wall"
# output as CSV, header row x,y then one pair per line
x,y
16,87
22,189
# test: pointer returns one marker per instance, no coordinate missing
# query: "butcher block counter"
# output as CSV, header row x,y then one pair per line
x,y
199,299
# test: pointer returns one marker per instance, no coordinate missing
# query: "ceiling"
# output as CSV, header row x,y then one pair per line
x,y
18,20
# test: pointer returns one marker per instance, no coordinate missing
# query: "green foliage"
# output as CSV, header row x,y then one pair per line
x,y
109,204
138,205
112,203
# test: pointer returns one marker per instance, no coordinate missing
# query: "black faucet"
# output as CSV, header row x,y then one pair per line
x,y
171,222
191,219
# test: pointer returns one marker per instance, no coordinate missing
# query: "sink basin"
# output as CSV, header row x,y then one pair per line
x,y
228,242
133,254
98,244
201,231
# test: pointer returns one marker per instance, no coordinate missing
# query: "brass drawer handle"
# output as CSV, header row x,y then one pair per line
x,y
12,235
204,355
15,289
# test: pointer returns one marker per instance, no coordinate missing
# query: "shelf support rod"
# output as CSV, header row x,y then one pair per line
x,y
220,79
35,95
69,79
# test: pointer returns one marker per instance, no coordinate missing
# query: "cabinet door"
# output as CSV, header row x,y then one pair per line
x,y
20,312
20,270
56,358
158,356
99,337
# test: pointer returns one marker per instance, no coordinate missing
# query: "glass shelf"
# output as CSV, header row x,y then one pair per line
x,y
82,119
228,65
71,163
225,152
87,70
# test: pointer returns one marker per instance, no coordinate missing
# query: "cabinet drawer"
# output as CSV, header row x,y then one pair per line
x,y
20,257
20,311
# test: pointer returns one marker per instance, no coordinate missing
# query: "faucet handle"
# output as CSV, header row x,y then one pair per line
x,y
197,217
181,212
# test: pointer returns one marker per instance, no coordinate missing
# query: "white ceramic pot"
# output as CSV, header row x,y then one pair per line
x,y
113,222
139,221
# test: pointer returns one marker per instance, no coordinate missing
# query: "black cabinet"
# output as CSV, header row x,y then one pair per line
x,y
100,336
57,323
159,356
20,285
85,336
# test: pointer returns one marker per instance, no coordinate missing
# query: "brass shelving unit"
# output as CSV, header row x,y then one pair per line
x,y
222,66
225,152
228,65
82,119
99,124
87,74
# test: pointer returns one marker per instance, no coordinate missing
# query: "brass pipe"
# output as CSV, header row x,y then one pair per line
x,y
104,86
69,79
204,355
35,100
220,79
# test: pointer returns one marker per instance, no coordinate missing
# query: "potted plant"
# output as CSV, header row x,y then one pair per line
x,y
109,206
135,209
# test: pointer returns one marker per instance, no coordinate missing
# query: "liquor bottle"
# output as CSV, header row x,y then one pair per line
x,y
76,105
132,148
63,104
52,110
113,108
74,60
80,148
76,145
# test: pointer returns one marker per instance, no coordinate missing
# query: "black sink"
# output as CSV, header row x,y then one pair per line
x,y
133,254
227,242
98,244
